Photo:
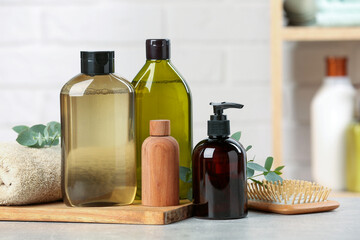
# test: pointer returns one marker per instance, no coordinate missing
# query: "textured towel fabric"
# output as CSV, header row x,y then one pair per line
x,y
337,20
29,175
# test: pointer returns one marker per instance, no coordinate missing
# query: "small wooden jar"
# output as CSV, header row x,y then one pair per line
x,y
160,166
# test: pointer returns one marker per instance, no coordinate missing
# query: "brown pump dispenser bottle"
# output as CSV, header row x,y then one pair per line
x,y
219,170
160,166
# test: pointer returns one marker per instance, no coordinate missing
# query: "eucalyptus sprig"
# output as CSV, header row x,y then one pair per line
x,y
251,167
39,136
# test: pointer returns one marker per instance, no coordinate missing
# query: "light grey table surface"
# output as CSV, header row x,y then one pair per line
x,y
343,223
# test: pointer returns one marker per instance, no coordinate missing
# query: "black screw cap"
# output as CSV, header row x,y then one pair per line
x,y
158,49
97,63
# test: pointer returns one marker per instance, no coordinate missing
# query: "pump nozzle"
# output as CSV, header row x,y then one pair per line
x,y
219,126
219,107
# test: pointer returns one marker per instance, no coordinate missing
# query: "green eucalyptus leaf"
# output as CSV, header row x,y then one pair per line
x,y
248,148
277,172
190,194
249,172
256,167
273,177
268,163
53,128
279,168
188,177
184,173
236,136
40,143
55,142
39,128
46,135
256,181
40,140
20,128
27,138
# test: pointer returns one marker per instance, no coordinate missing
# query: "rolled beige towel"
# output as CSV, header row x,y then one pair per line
x,y
29,175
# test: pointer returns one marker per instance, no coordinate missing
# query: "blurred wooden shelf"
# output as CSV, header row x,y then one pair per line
x,y
320,33
279,35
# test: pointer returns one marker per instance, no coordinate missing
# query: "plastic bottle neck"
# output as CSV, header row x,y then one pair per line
x,y
158,61
218,137
339,80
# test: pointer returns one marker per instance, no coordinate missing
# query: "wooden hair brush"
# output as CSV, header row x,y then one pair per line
x,y
289,197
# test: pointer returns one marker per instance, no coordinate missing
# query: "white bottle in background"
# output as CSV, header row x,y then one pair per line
x,y
331,113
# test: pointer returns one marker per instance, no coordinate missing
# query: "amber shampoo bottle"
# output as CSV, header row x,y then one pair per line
x,y
219,171
97,135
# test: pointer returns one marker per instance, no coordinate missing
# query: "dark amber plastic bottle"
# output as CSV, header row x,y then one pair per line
x,y
219,171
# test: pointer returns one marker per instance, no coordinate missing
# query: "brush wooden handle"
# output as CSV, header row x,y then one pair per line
x,y
327,205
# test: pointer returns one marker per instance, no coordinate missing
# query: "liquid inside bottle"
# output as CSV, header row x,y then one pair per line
x,y
219,180
98,145
161,93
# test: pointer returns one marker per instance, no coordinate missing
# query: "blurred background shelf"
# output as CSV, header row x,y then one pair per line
x,y
279,35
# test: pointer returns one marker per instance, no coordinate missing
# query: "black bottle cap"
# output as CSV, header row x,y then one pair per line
x,y
97,63
219,126
157,49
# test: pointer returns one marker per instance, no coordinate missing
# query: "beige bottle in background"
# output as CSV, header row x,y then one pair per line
x,y
160,166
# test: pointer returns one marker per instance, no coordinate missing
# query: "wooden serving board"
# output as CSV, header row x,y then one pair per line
x,y
131,214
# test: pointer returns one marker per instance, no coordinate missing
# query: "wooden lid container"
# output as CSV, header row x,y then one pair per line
x,y
160,127
160,166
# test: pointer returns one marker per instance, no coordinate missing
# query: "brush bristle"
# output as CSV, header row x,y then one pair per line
x,y
287,192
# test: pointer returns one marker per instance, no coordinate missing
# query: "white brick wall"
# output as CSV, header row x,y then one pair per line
x,y
221,47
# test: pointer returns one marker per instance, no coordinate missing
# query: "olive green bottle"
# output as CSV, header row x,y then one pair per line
x,y
161,93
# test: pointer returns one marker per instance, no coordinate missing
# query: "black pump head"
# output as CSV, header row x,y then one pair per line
x,y
219,126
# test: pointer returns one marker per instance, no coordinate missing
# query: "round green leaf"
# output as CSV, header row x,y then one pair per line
x,y
249,172
27,138
20,128
273,177
184,173
236,136
53,129
256,167
39,128
55,142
